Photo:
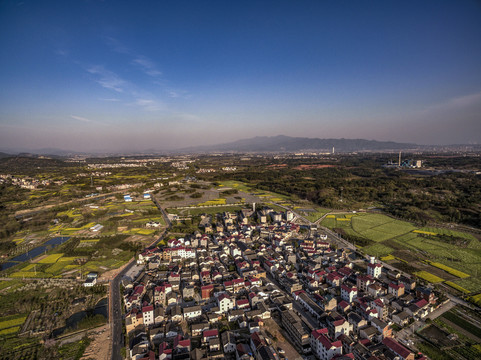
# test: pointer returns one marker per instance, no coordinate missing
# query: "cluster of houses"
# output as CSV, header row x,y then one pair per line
x,y
27,182
211,295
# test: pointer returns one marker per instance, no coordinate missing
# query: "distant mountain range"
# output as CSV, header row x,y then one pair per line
x,y
258,144
283,143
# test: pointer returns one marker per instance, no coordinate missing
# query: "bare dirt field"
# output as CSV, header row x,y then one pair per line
x,y
99,348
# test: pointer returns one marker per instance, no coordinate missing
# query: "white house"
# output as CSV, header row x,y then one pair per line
x,y
225,303
348,294
192,312
322,346
148,315
374,270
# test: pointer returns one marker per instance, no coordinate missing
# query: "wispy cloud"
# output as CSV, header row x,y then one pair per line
x,y
176,93
116,45
147,66
454,103
108,79
141,61
110,99
80,118
83,119
149,104
61,52
144,100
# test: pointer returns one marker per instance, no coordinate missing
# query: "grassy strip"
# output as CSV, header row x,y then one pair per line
x,y
8,331
424,232
14,320
466,325
50,259
457,287
476,299
448,269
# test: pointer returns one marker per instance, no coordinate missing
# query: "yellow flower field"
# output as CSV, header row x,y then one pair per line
x,y
429,277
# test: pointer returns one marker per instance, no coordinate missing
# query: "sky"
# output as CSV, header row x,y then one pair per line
x,y
139,75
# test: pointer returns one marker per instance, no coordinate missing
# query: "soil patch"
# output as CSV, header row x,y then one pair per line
x,y
437,336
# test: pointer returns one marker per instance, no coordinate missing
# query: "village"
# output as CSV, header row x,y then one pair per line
x,y
256,285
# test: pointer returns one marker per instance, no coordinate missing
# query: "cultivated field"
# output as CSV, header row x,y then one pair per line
x,y
439,254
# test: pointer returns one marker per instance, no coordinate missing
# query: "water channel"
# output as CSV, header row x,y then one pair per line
x,y
34,252
101,308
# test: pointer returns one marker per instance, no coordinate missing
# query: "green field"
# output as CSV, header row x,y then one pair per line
x,y
476,299
50,259
448,269
11,284
391,235
198,211
13,320
219,201
379,250
316,215
234,185
457,287
9,331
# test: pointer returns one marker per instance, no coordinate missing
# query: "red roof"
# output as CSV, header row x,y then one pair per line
x,y
339,322
242,302
147,308
421,303
345,271
163,349
256,339
365,342
396,287
209,333
396,347
326,343
365,278
316,333
223,296
138,289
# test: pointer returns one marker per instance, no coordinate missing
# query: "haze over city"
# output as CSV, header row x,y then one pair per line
x,y
124,75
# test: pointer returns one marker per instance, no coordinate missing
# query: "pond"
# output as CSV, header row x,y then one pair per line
x,y
101,308
34,252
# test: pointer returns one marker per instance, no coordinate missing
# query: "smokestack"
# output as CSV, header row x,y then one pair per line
x,y
399,158
333,150
254,207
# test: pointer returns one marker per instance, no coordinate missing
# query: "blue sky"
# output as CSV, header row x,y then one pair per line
x,y
134,75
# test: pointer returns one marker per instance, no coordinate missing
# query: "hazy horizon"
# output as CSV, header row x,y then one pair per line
x,y
124,76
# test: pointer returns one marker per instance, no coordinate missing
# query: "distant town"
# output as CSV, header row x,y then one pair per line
x,y
240,256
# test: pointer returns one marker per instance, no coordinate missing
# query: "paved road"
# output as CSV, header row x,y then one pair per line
x,y
115,313
164,214
29,212
115,307
305,316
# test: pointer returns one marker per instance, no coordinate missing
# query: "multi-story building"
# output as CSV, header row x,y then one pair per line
x,y
374,269
322,346
348,294
225,303
298,333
